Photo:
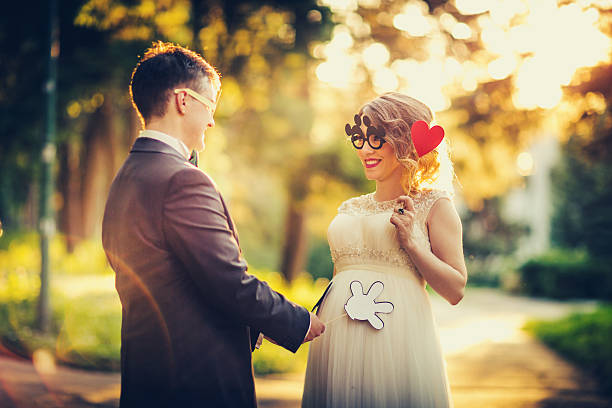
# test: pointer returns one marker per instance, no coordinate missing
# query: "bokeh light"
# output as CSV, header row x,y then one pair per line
x,y
375,56
525,164
538,44
468,7
414,20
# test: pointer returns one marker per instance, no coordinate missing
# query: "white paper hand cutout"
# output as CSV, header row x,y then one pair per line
x,y
362,306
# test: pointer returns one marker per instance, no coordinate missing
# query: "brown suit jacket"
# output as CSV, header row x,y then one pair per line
x,y
187,300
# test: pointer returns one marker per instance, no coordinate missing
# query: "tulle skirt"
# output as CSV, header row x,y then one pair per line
x,y
354,365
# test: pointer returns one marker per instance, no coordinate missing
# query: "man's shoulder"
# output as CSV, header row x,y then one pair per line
x,y
155,163
188,173
156,170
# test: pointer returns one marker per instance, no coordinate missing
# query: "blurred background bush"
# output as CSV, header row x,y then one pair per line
x,y
584,339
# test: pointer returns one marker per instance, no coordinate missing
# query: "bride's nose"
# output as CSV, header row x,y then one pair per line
x,y
367,149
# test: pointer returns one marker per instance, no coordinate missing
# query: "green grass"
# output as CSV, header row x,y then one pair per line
x,y
86,317
583,338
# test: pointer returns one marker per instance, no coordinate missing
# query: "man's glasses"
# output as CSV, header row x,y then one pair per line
x,y
212,106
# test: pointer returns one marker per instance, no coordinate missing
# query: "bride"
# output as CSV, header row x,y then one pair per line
x,y
381,347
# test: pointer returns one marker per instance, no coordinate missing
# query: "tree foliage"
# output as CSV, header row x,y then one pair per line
x,y
278,151
583,189
260,48
497,73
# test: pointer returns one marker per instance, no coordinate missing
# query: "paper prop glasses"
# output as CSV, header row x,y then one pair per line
x,y
362,306
375,136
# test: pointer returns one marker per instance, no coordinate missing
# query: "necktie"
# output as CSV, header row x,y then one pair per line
x,y
193,159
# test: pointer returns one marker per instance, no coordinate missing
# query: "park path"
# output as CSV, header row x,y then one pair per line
x,y
491,363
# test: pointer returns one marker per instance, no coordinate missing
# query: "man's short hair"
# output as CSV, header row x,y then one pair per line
x,y
164,67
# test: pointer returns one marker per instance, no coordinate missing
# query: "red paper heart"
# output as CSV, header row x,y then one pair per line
x,y
424,138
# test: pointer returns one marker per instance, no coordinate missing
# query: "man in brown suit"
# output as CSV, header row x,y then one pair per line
x,y
190,312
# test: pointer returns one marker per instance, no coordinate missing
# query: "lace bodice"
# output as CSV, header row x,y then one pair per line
x,y
361,233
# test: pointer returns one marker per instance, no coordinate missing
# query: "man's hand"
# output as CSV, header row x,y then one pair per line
x,y
316,328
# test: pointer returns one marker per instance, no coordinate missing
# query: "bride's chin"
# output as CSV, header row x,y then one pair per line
x,y
370,175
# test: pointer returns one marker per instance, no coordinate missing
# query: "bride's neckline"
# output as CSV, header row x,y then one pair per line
x,y
370,196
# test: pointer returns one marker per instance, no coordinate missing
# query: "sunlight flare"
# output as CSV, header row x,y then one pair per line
x,y
44,362
538,44
525,164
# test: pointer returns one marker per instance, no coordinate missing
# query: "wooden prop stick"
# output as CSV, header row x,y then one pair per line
x,y
335,318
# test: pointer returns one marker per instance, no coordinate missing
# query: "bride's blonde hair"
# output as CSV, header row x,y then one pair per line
x,y
396,113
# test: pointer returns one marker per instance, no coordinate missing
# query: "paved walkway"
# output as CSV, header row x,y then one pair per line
x,y
491,363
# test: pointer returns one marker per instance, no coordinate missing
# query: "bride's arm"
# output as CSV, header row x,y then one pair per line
x,y
444,266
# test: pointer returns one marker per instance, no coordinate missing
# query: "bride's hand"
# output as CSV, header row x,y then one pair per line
x,y
403,219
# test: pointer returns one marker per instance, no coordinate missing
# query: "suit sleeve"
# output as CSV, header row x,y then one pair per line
x,y
254,333
198,233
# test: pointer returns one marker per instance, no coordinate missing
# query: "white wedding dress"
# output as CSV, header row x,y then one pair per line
x,y
354,365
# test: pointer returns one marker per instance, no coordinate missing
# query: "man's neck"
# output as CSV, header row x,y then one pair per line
x,y
164,135
169,128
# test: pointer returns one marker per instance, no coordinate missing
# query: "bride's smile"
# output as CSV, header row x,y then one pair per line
x,y
380,164
370,163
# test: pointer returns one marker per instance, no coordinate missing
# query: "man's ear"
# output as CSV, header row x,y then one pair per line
x,y
179,100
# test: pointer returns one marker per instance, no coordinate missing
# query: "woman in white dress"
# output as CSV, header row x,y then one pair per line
x,y
381,347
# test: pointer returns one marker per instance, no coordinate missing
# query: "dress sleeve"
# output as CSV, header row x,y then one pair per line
x,y
431,198
344,206
351,206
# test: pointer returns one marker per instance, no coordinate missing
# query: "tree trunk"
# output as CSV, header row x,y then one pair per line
x,y
31,210
69,185
98,168
87,171
295,245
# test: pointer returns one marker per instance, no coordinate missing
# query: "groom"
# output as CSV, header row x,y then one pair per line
x,y
190,312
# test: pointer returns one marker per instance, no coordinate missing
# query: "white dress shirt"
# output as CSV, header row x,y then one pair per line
x,y
171,141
